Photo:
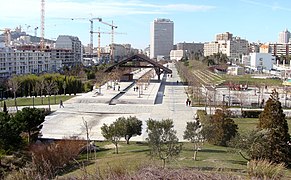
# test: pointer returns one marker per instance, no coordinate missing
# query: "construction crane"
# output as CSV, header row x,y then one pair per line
x,y
7,34
42,25
35,31
112,39
91,32
99,39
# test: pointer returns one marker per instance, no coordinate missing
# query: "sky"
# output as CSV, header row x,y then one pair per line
x,y
194,20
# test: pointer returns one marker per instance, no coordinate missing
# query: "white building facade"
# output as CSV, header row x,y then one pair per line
x,y
17,62
161,38
259,61
177,54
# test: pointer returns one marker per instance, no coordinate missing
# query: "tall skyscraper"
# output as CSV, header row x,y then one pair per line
x,y
284,36
162,38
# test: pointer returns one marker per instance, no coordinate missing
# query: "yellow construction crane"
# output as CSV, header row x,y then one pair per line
x,y
112,39
7,34
99,39
91,31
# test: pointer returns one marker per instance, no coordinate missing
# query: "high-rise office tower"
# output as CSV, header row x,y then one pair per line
x,y
162,38
284,36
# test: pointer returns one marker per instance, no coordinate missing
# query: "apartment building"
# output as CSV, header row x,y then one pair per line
x,y
161,38
191,48
17,62
284,37
234,48
72,50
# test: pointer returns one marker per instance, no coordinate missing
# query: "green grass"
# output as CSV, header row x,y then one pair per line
x,y
247,79
248,124
135,155
24,101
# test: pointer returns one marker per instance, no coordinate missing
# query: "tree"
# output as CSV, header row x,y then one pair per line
x,y
273,121
162,140
131,127
112,133
14,85
5,108
219,129
194,135
50,86
9,133
30,120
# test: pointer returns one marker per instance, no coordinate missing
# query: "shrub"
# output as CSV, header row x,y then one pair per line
x,y
49,159
263,169
251,113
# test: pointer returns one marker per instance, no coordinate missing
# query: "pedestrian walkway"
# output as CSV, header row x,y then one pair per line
x,y
94,108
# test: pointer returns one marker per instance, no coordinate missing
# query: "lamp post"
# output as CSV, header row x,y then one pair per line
x,y
223,99
1,89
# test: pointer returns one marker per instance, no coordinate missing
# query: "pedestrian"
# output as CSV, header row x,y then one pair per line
x,y
187,101
61,104
177,82
118,88
133,88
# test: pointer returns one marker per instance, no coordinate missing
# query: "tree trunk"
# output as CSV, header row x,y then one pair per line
x,y
28,138
164,163
49,102
116,148
15,103
195,154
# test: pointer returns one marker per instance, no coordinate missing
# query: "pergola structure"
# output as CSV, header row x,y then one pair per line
x,y
140,61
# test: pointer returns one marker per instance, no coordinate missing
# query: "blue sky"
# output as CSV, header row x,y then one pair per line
x,y
194,20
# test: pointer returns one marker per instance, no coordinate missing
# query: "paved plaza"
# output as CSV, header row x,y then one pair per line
x,y
160,100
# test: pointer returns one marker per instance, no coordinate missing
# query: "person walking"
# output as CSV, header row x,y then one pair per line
x,y
61,104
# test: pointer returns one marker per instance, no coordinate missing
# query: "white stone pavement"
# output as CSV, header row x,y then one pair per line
x,y
95,109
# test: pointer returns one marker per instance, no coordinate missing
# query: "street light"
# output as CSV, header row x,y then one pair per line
x,y
1,89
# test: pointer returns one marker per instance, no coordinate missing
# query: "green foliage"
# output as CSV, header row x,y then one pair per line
x,y
131,127
113,133
10,139
272,120
30,120
219,129
194,135
162,139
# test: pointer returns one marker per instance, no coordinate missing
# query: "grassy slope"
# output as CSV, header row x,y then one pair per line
x,y
210,158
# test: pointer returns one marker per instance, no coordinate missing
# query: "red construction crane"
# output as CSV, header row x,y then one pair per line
x,y
42,25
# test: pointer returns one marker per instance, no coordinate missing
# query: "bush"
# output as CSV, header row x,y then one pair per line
x,y
251,113
49,159
263,169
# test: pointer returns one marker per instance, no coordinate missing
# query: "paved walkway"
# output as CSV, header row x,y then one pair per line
x,y
94,108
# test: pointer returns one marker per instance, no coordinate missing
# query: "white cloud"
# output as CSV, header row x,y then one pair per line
x,y
68,9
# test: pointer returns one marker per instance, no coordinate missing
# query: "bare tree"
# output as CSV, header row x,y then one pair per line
x,y
50,86
14,85
39,88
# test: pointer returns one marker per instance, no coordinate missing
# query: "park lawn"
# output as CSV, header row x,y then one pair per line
x,y
247,79
249,124
28,101
135,155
